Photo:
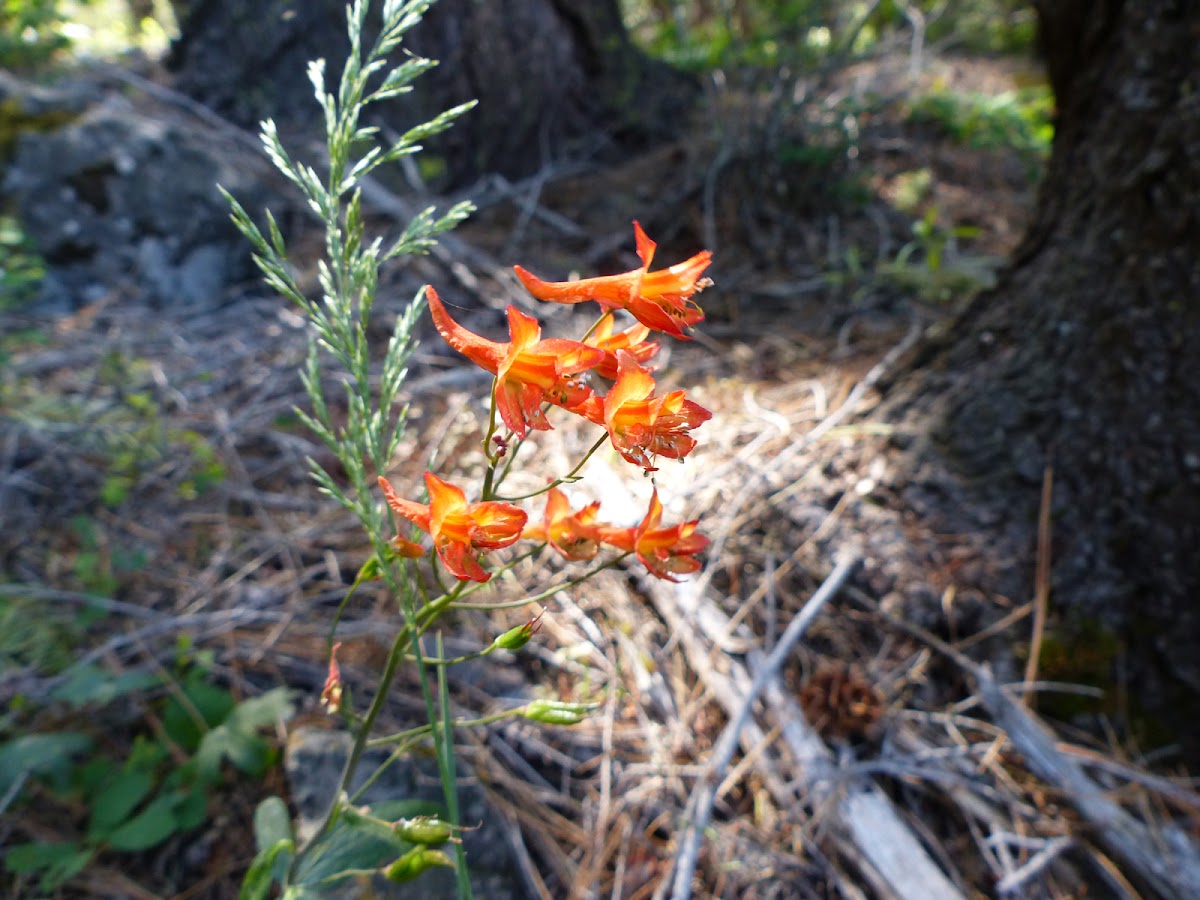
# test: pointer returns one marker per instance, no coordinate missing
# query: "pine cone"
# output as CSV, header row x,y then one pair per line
x,y
839,701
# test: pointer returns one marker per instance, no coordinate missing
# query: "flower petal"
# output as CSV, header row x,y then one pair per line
x,y
417,513
496,524
484,353
645,246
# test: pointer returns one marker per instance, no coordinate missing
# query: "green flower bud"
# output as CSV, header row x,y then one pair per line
x,y
415,862
371,570
558,712
516,638
424,830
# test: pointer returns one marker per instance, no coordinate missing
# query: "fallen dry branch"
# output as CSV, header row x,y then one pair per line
x,y
1163,856
862,821
700,804
1169,861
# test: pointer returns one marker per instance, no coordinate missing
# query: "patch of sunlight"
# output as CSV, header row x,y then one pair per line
x,y
104,29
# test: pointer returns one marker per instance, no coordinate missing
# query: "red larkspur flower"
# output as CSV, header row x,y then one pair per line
x,y
661,300
573,534
665,552
460,530
640,424
529,371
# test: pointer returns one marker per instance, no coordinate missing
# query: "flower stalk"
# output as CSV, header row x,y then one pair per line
x,y
461,536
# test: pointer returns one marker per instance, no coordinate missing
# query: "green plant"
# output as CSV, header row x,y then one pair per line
x,y
1021,120
21,269
162,785
30,32
934,268
531,376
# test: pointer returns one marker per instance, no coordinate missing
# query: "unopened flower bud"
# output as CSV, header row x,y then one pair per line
x,y
516,638
424,830
371,570
406,548
331,694
558,712
415,862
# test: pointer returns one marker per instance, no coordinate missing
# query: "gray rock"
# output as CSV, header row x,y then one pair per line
x,y
131,203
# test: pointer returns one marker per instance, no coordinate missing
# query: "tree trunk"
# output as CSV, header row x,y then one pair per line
x,y
554,78
1084,359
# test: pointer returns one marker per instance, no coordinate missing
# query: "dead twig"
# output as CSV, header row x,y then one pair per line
x,y
701,803
1041,596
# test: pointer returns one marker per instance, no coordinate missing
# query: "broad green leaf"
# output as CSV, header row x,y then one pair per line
x,y
39,754
150,827
347,847
57,862
264,710
193,808
272,823
116,800
92,685
210,702
257,883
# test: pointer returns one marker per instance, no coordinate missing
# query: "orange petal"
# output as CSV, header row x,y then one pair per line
x,y
445,499
406,548
497,524
645,246
572,356
522,329
417,513
484,353
460,562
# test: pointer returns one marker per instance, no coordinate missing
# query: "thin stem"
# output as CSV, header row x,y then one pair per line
x,y
570,477
393,757
547,593
488,453
450,775
403,636
457,723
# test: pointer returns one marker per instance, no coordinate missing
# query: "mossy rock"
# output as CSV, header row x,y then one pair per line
x,y
28,107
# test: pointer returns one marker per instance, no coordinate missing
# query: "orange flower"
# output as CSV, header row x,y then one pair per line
x,y
660,300
528,370
573,534
663,551
641,425
630,339
460,529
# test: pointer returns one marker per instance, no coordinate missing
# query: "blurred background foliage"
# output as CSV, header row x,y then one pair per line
x,y
693,34
703,34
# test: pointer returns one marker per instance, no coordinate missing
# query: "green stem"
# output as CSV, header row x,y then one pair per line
x,y
403,637
544,595
450,775
423,730
571,476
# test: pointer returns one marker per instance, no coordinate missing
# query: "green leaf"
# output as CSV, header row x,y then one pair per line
x,y
210,702
272,823
237,739
193,808
116,800
263,870
92,685
153,825
57,862
39,754
348,847
263,711
247,751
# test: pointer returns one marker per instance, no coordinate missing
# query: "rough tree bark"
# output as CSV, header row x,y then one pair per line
x,y
553,78
1085,357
